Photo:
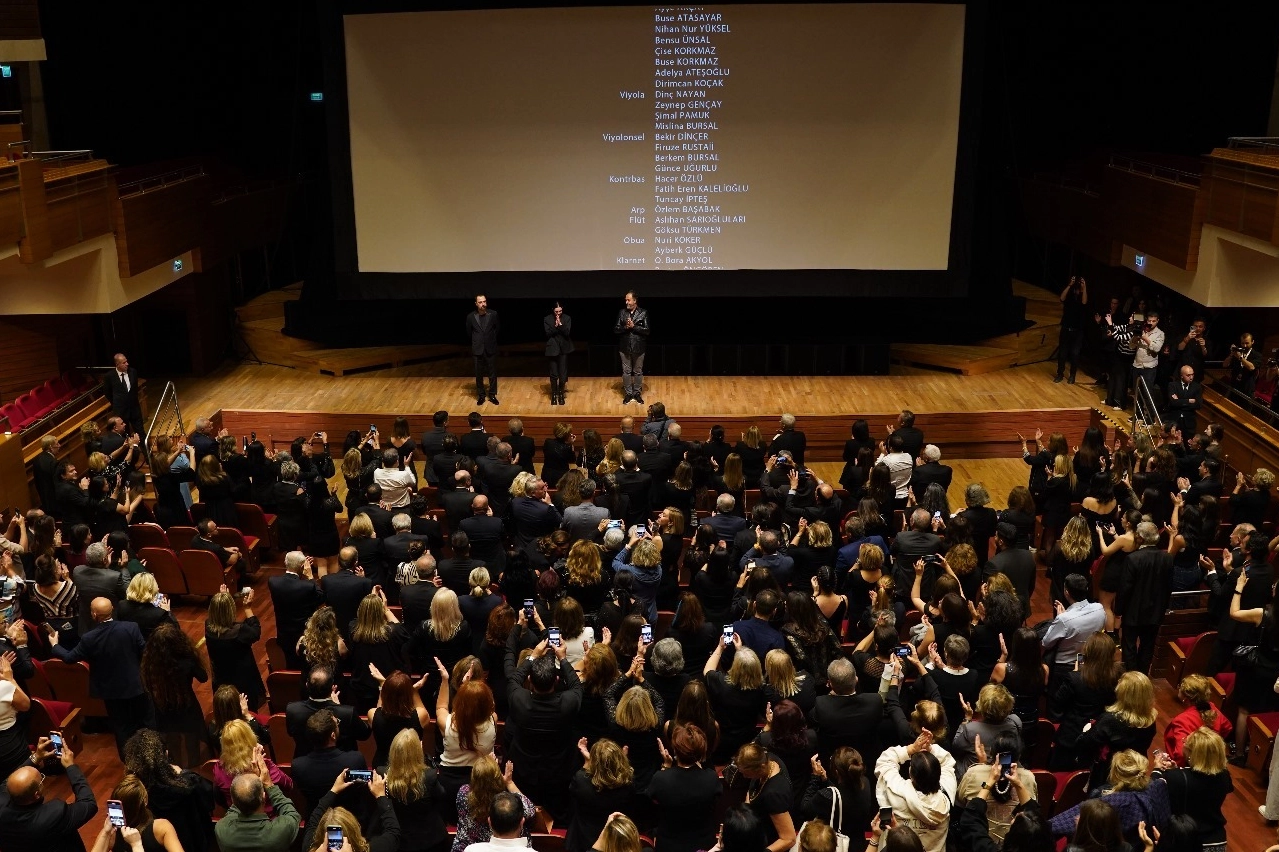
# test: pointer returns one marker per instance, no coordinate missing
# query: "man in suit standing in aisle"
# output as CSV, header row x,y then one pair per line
x,y
482,326
1142,600
789,438
121,389
1184,397
558,326
929,469
294,596
632,331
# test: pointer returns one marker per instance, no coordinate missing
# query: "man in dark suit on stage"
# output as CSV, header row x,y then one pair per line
x,y
482,326
1184,397
558,327
929,469
113,650
523,448
632,331
121,390
294,597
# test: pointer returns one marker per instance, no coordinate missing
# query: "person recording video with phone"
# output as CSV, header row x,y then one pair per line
x,y
1242,363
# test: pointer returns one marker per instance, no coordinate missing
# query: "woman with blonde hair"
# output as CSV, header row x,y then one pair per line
x,y
358,476
737,697
612,461
1195,692
782,682
230,705
416,795
361,535
583,578
477,605
1128,723
1250,500
642,559
156,834
475,799
1070,554
1054,501
142,604
731,481
240,749
172,472
320,643
230,645
1199,790
989,716
603,786
383,834
445,635
1134,795
377,645
753,452
635,712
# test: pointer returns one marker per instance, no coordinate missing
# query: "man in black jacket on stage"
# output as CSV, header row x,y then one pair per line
x,y
632,330
482,326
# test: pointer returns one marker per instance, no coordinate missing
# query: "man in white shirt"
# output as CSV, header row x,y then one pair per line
x,y
397,485
900,467
1149,344
506,820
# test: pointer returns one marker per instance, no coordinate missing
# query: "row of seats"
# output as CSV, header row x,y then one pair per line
x,y
41,401
178,538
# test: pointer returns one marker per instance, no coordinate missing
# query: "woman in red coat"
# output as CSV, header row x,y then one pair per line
x,y
1201,713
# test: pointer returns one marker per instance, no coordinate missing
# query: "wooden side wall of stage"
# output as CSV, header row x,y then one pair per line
x,y
1161,216
1249,443
969,435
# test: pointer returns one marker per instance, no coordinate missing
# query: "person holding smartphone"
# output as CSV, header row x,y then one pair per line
x,y
33,822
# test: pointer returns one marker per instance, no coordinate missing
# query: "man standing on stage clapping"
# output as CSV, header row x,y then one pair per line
x,y
632,335
481,324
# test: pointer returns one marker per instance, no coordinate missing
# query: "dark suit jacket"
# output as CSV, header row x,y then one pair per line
x,y
483,340
456,506
474,443
486,533
533,519
430,528
1256,595
792,441
726,526
631,441
497,485
431,445
113,651
656,464
1145,587
926,474
851,720
71,505
1207,485
350,726
205,446
632,341
97,583
415,601
344,591
913,440
43,469
525,447
638,488
1018,565
380,517
396,549
49,825
314,772
293,599
1179,402
559,339
123,402
674,449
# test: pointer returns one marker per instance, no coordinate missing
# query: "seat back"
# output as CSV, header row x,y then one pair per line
x,y
664,619
38,685
253,521
29,405
199,511
1200,653
45,716
275,660
1046,784
282,745
283,687
164,565
232,537
203,572
1071,792
70,682
180,536
46,396
148,535
1039,745
60,386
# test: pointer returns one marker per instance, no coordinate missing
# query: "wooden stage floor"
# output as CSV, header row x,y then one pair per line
x,y
401,391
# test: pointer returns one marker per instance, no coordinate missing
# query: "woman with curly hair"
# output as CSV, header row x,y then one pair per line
x,y
809,639
181,796
169,664
603,786
583,577
475,799
1070,554
599,672
321,645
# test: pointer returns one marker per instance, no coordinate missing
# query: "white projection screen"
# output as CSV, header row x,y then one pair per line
x,y
747,137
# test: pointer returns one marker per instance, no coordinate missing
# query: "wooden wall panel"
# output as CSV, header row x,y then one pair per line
x,y
971,435
79,210
27,358
162,223
1157,216
19,20
1248,443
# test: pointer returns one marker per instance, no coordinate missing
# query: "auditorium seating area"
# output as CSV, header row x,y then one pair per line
x,y
46,400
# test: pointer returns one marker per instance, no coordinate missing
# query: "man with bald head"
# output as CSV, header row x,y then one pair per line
x,y
247,827
457,503
345,588
29,822
113,650
627,436
121,389
637,485
486,533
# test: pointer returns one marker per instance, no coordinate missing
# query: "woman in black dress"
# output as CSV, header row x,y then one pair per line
x,y
678,490
731,480
1081,697
399,708
713,584
321,526
230,644
604,785
359,476
180,796
216,492
853,476
168,477
1250,501
236,465
377,637
753,451
1021,514
169,664
416,795
558,453
685,792
1059,491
